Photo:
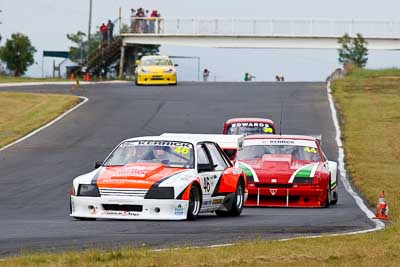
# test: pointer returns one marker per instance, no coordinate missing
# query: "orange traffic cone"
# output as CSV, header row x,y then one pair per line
x,y
382,209
72,76
87,76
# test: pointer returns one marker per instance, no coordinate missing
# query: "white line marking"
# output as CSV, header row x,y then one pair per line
x,y
48,124
342,171
59,83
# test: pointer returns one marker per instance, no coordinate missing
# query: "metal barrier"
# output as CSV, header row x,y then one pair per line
x,y
147,25
266,27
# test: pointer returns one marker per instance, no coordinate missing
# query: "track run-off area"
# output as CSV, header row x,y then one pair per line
x,y
36,174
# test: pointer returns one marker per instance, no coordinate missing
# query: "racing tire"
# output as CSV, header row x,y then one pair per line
x,y
334,201
238,203
327,202
194,204
336,194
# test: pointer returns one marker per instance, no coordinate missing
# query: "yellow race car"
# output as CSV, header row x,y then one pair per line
x,y
155,70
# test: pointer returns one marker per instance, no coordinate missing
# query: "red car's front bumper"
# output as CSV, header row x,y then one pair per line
x,y
285,195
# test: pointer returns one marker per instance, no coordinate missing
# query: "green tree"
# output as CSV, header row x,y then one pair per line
x,y
18,53
353,50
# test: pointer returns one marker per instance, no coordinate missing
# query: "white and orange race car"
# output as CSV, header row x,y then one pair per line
x,y
170,177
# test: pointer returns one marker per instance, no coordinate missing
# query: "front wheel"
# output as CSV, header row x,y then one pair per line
x,y
237,205
194,202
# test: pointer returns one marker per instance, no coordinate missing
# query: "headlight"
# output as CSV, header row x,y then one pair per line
x,y
88,190
169,71
144,70
160,193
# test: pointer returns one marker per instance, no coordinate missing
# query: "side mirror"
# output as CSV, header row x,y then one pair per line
x,y
137,62
176,65
98,164
231,153
204,167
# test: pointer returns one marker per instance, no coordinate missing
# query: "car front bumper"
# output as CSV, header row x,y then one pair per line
x,y
304,195
156,78
130,208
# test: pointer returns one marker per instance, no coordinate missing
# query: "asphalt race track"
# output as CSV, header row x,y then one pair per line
x,y
36,174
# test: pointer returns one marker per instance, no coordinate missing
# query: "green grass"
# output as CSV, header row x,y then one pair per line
x,y
12,79
22,113
369,104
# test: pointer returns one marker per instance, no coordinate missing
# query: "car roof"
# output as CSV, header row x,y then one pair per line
x,y
236,120
223,140
278,136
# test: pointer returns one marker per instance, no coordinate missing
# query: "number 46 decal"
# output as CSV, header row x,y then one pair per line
x,y
206,184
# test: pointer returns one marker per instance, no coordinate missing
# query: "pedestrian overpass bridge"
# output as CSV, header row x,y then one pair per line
x,y
262,32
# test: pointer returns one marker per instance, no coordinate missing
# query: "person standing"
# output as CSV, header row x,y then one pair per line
x,y
110,27
206,74
104,32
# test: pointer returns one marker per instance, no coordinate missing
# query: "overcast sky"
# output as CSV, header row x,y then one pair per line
x,y
47,22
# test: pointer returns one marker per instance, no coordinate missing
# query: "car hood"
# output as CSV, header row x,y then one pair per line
x,y
277,168
134,175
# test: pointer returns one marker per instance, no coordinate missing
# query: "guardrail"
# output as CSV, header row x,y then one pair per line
x,y
266,27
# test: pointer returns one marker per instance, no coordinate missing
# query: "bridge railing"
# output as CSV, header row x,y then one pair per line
x,y
266,27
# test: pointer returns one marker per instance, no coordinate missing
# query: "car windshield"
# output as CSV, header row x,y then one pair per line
x,y
297,152
248,128
156,62
168,153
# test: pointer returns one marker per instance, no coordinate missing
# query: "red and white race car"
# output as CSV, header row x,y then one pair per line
x,y
247,126
168,177
287,171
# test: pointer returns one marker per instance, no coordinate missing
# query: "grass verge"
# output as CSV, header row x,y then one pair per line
x,y
368,102
22,113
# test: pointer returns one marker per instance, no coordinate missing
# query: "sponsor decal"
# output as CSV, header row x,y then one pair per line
x,y
252,124
179,210
273,191
207,202
120,213
274,180
163,143
138,171
217,201
310,146
281,142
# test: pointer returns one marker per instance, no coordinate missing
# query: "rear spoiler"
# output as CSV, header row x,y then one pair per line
x,y
229,143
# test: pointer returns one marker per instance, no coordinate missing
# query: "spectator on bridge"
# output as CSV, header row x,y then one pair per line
x,y
206,73
282,79
152,21
110,27
277,78
104,32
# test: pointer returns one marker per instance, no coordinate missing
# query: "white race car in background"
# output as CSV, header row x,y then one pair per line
x,y
169,177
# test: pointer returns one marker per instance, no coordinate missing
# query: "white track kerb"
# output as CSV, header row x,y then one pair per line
x,y
84,100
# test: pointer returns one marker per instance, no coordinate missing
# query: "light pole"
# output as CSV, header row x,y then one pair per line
x,y
90,18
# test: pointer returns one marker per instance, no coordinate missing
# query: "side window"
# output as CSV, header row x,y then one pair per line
x,y
217,157
202,155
